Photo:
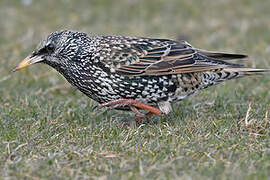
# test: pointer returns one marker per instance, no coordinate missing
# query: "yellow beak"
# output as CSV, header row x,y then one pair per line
x,y
27,62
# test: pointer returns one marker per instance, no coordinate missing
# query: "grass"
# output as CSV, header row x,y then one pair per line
x,y
50,131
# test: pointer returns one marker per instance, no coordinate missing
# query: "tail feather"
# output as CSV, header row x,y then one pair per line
x,y
246,71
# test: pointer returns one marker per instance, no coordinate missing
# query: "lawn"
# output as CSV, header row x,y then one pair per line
x,y
48,130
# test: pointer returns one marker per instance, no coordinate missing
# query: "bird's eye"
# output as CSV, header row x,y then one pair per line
x,y
50,48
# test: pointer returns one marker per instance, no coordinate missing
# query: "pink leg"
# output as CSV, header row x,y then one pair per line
x,y
133,104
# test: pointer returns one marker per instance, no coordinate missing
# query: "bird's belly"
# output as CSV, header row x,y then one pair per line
x,y
147,89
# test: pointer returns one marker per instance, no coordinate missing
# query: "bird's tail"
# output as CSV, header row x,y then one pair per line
x,y
244,71
228,73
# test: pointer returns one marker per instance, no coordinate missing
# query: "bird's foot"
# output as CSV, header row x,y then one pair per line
x,y
133,104
140,119
137,121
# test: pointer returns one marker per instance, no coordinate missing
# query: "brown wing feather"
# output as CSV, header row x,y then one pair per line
x,y
221,55
134,57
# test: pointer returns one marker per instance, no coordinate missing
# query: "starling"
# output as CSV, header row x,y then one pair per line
x,y
135,73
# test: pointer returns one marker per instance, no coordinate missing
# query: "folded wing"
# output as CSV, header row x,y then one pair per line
x,y
140,57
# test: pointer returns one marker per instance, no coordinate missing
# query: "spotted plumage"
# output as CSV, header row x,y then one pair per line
x,y
129,72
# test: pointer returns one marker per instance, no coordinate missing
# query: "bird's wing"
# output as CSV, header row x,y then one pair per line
x,y
138,57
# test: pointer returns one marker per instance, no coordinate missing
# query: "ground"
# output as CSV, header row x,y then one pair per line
x,y
48,130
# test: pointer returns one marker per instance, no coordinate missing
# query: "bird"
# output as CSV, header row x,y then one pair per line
x,y
135,73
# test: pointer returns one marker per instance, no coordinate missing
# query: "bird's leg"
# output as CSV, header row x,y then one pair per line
x,y
131,102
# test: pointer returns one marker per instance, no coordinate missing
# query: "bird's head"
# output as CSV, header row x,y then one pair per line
x,y
58,49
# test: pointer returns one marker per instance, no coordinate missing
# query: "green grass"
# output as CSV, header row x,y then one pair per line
x,y
50,131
